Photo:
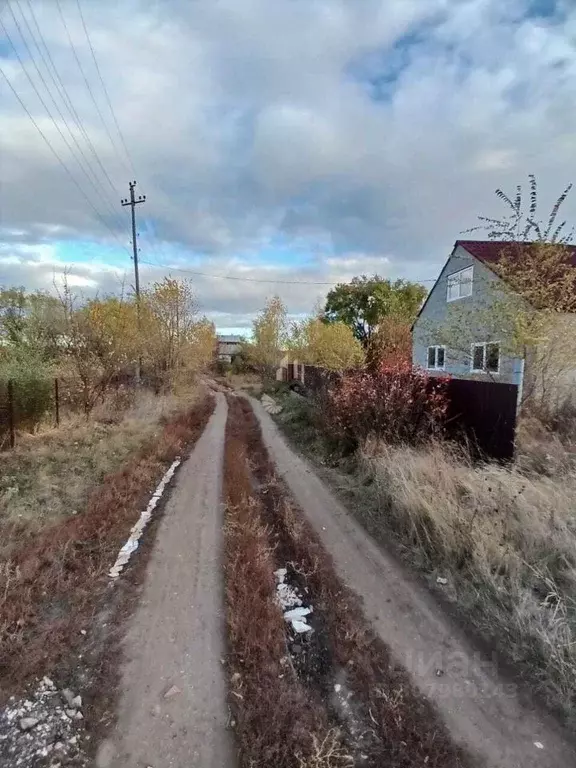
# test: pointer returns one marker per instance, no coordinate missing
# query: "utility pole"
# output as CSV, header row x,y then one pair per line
x,y
133,202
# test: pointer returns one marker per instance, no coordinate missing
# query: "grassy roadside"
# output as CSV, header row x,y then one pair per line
x,y
502,541
54,581
48,477
325,698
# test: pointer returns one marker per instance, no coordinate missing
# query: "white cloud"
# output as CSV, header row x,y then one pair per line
x,y
362,128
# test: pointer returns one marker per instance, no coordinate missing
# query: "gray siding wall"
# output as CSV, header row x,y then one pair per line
x,y
463,318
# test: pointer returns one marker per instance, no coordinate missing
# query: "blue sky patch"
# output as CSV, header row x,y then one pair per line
x,y
545,9
379,70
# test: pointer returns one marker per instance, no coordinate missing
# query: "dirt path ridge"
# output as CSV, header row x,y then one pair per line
x,y
172,709
482,712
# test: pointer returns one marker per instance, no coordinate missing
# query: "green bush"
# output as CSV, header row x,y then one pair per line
x,y
222,367
276,388
33,388
241,365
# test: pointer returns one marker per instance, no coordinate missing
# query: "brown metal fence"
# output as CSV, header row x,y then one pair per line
x,y
316,378
481,414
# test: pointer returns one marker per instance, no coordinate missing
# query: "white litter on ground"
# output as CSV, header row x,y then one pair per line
x,y
138,529
291,603
300,626
270,405
287,596
297,613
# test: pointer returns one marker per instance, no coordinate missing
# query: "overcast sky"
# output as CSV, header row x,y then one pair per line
x,y
290,140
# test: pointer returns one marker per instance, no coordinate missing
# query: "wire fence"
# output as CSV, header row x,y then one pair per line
x,y
24,406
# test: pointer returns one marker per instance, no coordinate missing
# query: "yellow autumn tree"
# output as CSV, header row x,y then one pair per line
x,y
270,336
176,341
99,340
202,345
327,345
111,330
168,313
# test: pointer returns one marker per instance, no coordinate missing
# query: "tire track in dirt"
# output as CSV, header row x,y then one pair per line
x,y
481,710
315,689
172,706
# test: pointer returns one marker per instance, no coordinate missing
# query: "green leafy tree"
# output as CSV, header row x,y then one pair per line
x,y
28,351
366,301
13,308
32,380
32,321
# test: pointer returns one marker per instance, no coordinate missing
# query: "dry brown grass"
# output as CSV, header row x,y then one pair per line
x,y
267,529
49,475
543,451
54,580
504,537
277,721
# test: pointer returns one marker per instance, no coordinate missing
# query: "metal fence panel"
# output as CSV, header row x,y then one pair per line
x,y
483,413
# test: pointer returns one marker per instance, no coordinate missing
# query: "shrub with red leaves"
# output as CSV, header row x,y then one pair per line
x,y
393,402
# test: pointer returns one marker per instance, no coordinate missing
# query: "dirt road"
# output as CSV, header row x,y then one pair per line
x,y
482,712
172,710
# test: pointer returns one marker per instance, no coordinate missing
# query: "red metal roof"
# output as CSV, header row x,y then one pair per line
x,y
490,250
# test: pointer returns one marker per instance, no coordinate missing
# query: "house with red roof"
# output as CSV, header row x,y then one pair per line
x,y
462,331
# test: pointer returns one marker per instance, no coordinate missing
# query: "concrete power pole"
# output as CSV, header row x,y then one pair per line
x,y
133,202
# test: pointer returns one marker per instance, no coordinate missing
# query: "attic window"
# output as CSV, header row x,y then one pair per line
x,y
460,284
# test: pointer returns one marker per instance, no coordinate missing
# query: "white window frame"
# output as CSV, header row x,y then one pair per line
x,y
435,367
485,345
455,279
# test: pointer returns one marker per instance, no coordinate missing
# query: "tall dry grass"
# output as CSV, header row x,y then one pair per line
x,y
53,582
504,537
48,476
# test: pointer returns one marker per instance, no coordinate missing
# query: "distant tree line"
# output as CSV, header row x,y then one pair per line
x,y
100,340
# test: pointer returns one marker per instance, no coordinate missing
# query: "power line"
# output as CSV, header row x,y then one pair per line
x,y
60,87
50,115
112,112
59,159
255,279
150,239
231,277
73,48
